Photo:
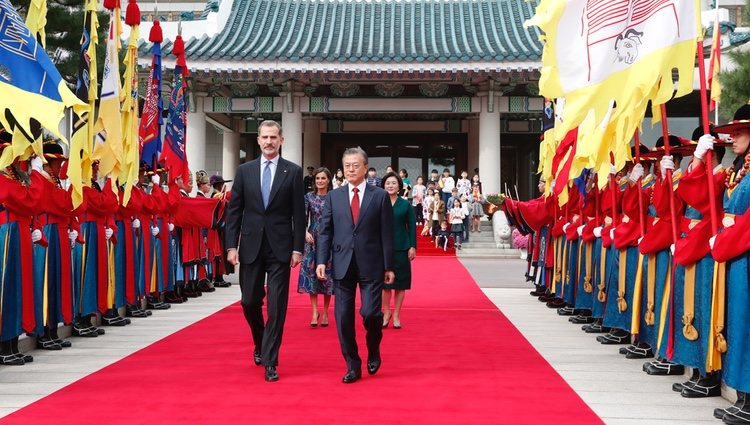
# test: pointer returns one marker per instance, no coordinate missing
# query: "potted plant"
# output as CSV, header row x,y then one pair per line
x,y
494,201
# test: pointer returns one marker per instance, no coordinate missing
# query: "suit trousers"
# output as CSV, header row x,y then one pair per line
x,y
268,270
371,292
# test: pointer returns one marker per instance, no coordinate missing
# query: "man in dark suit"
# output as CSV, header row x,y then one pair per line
x,y
266,219
356,232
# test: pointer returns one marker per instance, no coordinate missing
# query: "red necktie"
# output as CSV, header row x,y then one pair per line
x,y
355,205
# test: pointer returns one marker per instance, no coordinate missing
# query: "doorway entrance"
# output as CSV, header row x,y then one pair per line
x,y
418,154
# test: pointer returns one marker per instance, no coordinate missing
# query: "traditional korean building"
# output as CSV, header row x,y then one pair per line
x,y
419,84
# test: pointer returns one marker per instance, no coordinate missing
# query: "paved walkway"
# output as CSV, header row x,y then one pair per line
x,y
614,387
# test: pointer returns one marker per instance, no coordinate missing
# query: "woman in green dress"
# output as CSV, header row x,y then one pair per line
x,y
404,249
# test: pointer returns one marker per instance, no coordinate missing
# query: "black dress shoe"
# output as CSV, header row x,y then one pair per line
x,y
581,320
256,357
352,376
641,350
565,311
373,366
46,343
271,374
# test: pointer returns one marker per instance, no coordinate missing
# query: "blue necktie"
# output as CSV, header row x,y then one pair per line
x,y
265,185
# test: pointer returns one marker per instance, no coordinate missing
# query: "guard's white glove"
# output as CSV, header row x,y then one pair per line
x,y
155,179
37,164
36,235
667,163
136,223
705,143
72,235
598,231
580,230
639,240
108,232
671,249
154,231
612,169
612,233
552,186
636,173
565,227
712,241
170,226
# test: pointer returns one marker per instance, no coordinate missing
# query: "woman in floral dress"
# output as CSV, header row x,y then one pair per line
x,y
308,282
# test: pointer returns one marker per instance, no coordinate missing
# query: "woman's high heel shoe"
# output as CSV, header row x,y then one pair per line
x,y
324,321
385,321
314,322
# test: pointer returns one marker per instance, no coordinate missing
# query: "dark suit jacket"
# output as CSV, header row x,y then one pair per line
x,y
283,222
371,240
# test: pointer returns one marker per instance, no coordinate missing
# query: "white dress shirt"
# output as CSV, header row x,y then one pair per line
x,y
361,188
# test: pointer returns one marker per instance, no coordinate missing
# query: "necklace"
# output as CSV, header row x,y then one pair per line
x,y
732,181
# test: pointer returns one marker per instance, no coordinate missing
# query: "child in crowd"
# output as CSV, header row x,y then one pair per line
x,y
476,210
457,214
426,212
441,239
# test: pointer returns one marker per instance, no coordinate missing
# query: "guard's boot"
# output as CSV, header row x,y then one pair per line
x,y
55,337
16,352
678,386
566,311
705,386
173,298
111,318
641,350
720,412
615,336
7,357
742,415
663,367
45,342
595,328
82,327
205,286
134,310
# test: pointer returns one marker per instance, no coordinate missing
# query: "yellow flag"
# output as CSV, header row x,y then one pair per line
x,y
600,51
79,162
108,141
36,20
130,119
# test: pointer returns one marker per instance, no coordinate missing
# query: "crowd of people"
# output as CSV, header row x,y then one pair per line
x,y
108,260
640,263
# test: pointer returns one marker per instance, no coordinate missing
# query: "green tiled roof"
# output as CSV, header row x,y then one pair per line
x,y
386,31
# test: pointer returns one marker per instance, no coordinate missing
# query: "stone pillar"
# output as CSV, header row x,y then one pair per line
x,y
230,158
195,146
489,147
473,148
291,121
311,157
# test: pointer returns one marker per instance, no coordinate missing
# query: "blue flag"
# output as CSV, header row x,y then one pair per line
x,y
149,131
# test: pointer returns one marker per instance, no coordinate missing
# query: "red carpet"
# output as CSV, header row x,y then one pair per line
x,y
457,360
426,246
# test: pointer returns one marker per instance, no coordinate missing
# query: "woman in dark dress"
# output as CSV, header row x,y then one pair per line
x,y
308,282
404,247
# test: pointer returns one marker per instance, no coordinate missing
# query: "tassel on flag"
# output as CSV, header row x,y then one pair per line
x,y
149,132
174,156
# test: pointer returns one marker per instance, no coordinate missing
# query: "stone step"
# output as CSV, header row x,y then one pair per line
x,y
472,244
497,253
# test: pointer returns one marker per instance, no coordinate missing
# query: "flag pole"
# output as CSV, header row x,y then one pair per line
x,y
675,234
706,130
641,213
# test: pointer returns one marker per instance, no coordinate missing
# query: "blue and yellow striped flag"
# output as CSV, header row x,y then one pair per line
x,y
33,95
